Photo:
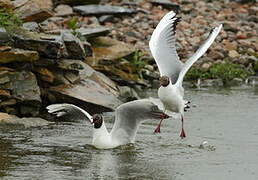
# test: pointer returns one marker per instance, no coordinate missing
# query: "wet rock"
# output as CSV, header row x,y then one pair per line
x,y
76,2
18,55
210,83
253,80
63,10
93,32
235,82
102,10
31,26
25,122
35,10
23,89
50,46
166,4
4,36
74,46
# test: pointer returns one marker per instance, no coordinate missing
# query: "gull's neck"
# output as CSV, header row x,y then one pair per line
x,y
101,137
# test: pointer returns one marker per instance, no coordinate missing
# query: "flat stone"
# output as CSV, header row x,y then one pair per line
x,y
31,26
93,32
102,10
106,18
44,74
25,122
166,4
5,48
5,93
8,102
87,93
63,10
53,48
76,2
35,10
18,55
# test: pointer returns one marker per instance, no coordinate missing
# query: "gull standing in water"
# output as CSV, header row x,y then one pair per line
x,y
128,117
172,70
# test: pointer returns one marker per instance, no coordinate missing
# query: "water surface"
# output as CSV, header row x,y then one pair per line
x,y
226,118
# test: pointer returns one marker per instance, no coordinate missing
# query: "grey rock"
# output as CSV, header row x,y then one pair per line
x,y
74,46
128,94
93,32
49,46
102,10
75,2
25,122
91,90
106,18
4,36
210,83
31,26
166,4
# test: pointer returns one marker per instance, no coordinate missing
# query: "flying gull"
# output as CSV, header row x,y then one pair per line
x,y
172,70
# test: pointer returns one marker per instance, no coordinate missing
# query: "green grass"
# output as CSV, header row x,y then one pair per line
x,y
9,20
226,71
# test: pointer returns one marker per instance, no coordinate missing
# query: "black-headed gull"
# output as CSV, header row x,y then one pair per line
x,y
172,70
128,117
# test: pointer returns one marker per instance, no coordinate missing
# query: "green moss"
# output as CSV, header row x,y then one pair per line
x,y
225,71
9,20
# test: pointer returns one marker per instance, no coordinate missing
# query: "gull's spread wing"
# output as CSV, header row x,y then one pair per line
x,y
202,49
74,112
163,47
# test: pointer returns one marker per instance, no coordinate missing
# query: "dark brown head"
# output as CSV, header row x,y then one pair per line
x,y
97,120
164,81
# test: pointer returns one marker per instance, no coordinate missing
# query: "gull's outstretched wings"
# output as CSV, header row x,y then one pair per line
x,y
202,49
74,112
163,47
129,116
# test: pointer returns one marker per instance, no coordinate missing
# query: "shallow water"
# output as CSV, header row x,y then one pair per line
x,y
226,118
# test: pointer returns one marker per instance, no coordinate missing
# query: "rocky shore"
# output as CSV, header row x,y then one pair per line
x,y
95,54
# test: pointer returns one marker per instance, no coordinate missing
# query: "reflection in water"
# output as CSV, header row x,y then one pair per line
x,y
5,158
227,119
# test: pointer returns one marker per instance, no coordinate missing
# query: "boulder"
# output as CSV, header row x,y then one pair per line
x,y
18,55
102,10
92,89
31,26
20,87
35,10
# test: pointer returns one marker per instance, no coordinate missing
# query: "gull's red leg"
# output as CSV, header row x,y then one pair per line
x,y
157,130
182,134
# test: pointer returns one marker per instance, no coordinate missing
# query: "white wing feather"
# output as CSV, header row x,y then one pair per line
x,y
202,49
163,47
69,109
